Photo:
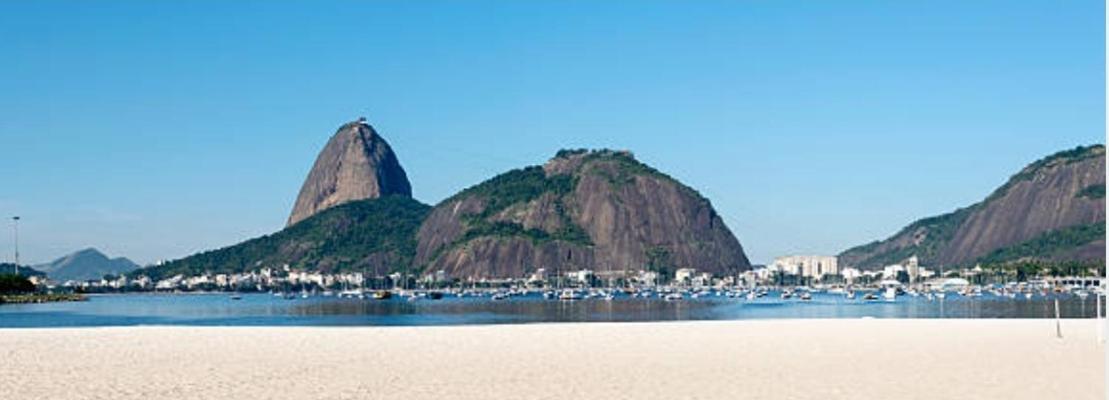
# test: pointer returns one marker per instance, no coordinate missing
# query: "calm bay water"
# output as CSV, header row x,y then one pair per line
x,y
267,310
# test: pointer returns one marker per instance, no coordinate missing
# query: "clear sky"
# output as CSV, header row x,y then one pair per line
x,y
157,129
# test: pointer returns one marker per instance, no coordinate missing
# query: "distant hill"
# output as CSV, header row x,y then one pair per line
x,y
1053,210
87,264
376,236
600,210
8,268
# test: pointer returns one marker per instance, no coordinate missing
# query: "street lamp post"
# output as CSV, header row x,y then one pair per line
x,y
15,229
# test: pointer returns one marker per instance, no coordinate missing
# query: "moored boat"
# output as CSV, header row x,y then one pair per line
x,y
570,295
890,294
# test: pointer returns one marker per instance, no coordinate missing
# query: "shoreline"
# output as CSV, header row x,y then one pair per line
x,y
1063,320
797,358
40,298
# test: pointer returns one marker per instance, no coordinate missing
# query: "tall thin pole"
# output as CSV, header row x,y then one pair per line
x,y
1097,317
1058,325
15,229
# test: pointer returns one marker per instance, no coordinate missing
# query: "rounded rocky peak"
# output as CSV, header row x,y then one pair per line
x,y
356,164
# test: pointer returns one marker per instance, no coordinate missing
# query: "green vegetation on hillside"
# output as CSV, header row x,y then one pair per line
x,y
564,153
1047,244
1022,270
355,236
627,168
660,261
15,284
519,186
515,187
937,231
8,268
1093,192
1064,157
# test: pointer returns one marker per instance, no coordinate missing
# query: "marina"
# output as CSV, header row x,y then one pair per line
x,y
480,307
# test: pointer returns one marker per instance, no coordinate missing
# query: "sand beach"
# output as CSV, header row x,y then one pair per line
x,y
766,359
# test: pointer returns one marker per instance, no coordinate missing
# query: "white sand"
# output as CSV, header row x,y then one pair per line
x,y
797,359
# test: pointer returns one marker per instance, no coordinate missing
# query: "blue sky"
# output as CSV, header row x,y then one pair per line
x,y
156,129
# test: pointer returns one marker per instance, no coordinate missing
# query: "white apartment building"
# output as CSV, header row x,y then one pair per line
x,y
683,275
808,266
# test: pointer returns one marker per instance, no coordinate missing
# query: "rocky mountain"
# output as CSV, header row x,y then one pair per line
x,y
376,236
1053,209
600,210
355,164
87,264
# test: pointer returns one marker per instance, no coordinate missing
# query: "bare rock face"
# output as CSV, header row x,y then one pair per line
x,y
1053,209
598,210
1041,198
355,164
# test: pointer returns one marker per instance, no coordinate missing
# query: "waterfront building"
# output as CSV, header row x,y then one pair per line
x,y
807,265
850,274
539,276
581,276
684,275
439,276
912,267
764,274
752,277
891,271
702,280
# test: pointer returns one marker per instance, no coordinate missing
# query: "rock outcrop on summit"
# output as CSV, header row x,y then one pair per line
x,y
1053,210
598,210
355,164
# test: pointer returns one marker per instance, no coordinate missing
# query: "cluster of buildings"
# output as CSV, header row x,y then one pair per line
x,y
260,280
788,270
826,268
589,278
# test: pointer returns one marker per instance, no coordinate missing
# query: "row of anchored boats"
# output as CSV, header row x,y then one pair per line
x,y
672,294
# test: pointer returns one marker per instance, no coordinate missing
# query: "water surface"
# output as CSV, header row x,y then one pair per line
x,y
268,310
